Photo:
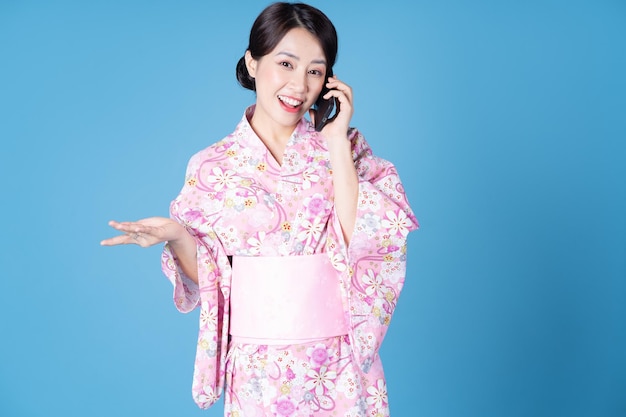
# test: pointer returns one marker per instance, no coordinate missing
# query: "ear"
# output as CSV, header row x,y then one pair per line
x,y
250,64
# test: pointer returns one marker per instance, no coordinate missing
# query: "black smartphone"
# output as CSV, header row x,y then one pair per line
x,y
324,108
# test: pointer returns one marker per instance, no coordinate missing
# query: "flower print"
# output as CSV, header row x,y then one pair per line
x,y
284,406
286,226
223,179
261,167
362,405
377,395
298,247
290,374
207,395
338,261
369,200
308,396
320,380
208,316
204,344
255,386
373,282
193,215
269,200
366,365
256,243
319,354
194,219
309,177
311,230
369,222
397,222
347,384
315,204
191,182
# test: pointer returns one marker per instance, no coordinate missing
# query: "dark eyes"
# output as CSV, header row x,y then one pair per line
x,y
287,65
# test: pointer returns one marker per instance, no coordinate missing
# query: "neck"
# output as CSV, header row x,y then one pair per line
x,y
274,136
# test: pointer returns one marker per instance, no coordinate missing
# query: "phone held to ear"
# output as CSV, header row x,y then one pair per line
x,y
324,109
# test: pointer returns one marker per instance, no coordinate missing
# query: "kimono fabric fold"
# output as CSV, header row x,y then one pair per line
x,y
238,201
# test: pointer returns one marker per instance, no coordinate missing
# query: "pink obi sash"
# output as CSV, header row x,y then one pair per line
x,y
285,299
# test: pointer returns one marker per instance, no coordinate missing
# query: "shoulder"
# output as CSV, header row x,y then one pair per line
x,y
218,152
360,147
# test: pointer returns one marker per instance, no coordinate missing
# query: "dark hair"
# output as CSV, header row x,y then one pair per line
x,y
273,24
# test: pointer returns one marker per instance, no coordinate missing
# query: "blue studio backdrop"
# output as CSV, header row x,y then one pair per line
x,y
505,119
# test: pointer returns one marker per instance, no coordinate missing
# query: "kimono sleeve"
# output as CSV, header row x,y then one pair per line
x,y
192,208
186,292
377,250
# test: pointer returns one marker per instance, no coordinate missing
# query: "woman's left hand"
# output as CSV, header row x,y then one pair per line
x,y
338,126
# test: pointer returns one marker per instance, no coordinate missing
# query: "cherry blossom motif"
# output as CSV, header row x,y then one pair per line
x,y
311,230
256,243
377,394
208,316
319,354
316,204
320,379
338,261
309,177
397,222
373,282
284,407
207,395
223,179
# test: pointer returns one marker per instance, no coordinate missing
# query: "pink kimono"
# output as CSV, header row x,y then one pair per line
x,y
237,200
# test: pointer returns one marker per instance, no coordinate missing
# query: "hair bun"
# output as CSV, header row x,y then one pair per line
x,y
243,76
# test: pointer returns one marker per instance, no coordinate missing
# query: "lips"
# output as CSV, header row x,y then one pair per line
x,y
290,101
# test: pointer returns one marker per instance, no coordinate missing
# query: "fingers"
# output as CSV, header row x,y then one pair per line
x,y
129,227
118,240
340,122
134,233
338,86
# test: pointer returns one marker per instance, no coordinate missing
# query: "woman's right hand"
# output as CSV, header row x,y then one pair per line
x,y
153,230
146,232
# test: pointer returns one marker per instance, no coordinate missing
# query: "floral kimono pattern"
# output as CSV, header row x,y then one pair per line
x,y
238,200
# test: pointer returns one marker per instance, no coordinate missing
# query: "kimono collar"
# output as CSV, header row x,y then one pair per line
x,y
304,128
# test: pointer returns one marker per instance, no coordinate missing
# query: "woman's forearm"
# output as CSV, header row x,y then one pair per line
x,y
184,248
345,183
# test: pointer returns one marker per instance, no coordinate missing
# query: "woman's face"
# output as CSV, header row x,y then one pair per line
x,y
288,80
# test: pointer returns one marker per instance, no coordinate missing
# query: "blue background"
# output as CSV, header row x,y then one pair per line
x,y
506,120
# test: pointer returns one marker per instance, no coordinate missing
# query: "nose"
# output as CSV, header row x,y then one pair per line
x,y
298,81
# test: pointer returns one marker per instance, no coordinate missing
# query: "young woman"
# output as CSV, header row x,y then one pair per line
x,y
291,241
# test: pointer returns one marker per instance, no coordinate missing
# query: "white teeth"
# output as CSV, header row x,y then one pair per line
x,y
290,101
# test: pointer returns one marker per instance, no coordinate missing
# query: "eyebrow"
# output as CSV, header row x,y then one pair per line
x,y
297,58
